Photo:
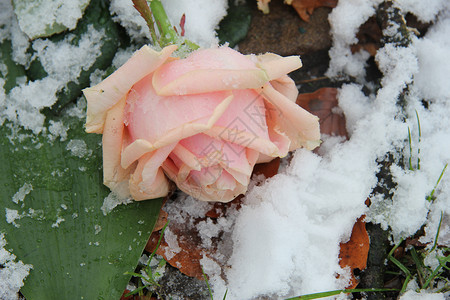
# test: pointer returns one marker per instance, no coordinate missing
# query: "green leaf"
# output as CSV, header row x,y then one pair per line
x,y
12,70
76,251
43,18
234,27
96,15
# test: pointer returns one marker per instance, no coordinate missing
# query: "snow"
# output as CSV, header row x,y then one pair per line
x,y
111,201
12,272
36,17
200,30
22,192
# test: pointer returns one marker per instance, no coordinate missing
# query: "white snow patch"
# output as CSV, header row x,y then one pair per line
x,y
19,196
37,16
12,272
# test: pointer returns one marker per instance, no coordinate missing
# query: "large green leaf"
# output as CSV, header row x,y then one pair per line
x,y
76,251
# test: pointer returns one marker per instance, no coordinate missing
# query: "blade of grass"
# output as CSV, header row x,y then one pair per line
x,y
420,136
410,150
435,272
207,284
437,233
419,265
431,196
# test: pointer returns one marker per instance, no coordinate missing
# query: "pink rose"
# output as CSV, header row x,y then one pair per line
x,y
203,121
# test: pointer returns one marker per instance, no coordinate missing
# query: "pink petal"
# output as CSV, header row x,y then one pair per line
x,y
148,180
103,96
287,118
114,176
208,70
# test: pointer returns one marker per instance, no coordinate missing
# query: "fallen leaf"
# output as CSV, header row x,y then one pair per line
x,y
369,37
354,253
305,8
323,103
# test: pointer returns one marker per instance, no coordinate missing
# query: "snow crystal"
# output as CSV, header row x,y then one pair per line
x,y
12,273
57,129
172,241
22,192
37,16
78,148
111,201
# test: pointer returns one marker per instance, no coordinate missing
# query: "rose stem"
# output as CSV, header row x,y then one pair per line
x,y
142,7
168,34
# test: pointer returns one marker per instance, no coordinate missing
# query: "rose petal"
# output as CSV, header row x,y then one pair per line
x,y
148,180
114,176
208,70
300,126
154,121
276,66
106,94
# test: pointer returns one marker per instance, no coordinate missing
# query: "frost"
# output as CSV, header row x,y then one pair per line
x,y
12,273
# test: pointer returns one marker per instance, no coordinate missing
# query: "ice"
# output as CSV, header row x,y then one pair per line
x,y
12,272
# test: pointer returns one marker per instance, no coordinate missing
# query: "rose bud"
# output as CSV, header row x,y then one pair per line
x,y
203,121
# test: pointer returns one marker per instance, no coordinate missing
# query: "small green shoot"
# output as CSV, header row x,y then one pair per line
x,y
149,276
207,284
337,292
424,274
411,168
431,196
420,136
